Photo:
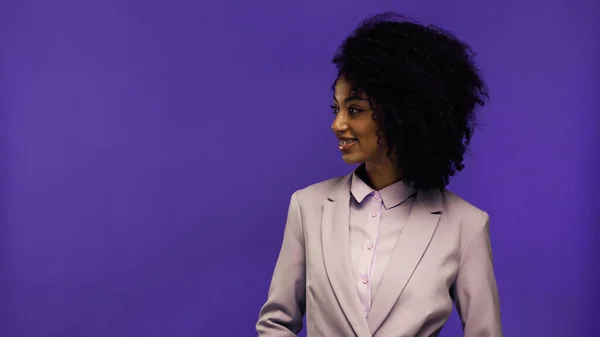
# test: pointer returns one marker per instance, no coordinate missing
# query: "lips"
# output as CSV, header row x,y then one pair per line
x,y
346,143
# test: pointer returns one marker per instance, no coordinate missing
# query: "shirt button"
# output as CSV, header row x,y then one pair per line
x,y
366,314
370,245
374,214
365,280
376,196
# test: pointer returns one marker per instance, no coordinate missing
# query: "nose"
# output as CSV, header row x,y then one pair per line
x,y
339,124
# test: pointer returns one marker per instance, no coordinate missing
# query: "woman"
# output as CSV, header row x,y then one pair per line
x,y
386,250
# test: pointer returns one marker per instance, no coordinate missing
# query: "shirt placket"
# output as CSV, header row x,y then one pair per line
x,y
367,257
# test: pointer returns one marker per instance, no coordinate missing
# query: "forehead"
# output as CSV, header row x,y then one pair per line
x,y
343,89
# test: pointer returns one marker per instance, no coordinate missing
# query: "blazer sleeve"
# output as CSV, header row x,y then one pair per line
x,y
475,289
281,315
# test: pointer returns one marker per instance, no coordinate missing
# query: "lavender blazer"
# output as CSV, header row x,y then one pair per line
x,y
443,256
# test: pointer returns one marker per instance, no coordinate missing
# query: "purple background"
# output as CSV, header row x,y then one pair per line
x,y
149,150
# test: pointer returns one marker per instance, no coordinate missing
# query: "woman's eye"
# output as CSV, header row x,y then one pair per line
x,y
352,110
335,109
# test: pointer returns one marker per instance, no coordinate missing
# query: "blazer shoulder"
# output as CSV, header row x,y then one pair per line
x,y
467,217
460,209
317,191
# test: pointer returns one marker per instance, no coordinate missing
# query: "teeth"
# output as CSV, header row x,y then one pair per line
x,y
342,142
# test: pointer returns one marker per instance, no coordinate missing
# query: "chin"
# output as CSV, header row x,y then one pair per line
x,y
351,158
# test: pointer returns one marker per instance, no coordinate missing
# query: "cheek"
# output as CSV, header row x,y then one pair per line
x,y
369,140
370,134
371,144
366,131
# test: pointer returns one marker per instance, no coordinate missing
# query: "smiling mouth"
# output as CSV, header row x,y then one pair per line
x,y
346,143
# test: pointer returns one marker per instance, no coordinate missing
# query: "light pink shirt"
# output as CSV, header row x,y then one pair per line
x,y
376,220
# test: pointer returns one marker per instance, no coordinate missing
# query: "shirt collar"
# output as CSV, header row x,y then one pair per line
x,y
392,195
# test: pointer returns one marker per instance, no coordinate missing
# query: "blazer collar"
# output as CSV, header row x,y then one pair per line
x,y
335,233
412,244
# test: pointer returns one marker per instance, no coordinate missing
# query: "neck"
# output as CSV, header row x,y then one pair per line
x,y
382,175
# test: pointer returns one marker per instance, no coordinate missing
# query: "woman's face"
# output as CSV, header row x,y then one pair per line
x,y
354,126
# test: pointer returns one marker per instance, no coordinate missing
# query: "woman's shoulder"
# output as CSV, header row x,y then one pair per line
x,y
320,189
460,209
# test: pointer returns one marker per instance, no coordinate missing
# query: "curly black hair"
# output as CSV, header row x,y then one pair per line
x,y
424,89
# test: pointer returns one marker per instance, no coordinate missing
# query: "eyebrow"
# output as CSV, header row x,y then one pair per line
x,y
351,98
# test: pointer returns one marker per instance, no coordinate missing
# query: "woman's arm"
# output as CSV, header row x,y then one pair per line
x,y
281,315
475,290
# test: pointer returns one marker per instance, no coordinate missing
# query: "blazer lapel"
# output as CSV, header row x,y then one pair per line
x,y
412,244
335,236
